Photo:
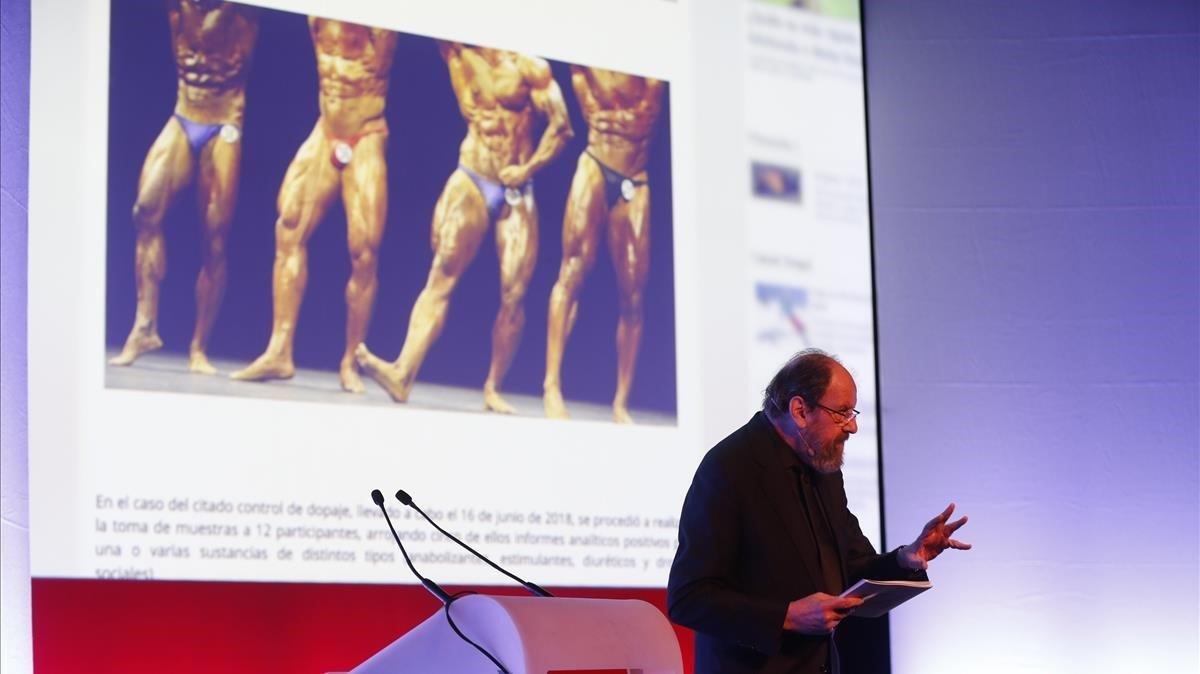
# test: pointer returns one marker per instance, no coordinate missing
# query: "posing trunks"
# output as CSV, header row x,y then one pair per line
x,y
495,194
616,185
343,148
199,134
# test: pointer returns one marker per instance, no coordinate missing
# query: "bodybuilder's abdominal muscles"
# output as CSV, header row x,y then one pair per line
x,y
197,73
344,88
493,134
348,78
490,125
626,150
500,148
345,117
211,104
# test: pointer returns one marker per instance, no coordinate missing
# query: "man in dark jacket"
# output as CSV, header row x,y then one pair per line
x,y
766,541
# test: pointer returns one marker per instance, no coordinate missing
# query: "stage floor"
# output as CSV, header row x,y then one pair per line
x,y
167,372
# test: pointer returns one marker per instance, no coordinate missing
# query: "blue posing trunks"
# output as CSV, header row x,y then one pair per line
x,y
495,194
199,134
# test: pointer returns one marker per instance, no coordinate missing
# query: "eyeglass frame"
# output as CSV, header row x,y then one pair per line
x,y
846,416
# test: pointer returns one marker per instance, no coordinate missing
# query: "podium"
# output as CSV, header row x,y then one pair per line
x,y
536,635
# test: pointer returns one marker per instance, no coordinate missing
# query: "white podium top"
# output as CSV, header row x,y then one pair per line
x,y
534,635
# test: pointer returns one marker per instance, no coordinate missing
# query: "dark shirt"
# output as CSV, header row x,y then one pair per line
x,y
822,536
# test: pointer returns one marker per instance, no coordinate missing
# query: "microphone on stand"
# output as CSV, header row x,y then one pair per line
x,y
434,589
407,500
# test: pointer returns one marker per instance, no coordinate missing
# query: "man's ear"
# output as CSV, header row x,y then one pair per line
x,y
798,411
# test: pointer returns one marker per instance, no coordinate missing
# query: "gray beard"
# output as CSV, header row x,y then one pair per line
x,y
825,462
828,464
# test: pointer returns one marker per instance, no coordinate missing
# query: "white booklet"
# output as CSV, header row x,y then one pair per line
x,y
881,596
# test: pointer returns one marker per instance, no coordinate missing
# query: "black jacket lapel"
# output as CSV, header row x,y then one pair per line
x,y
778,465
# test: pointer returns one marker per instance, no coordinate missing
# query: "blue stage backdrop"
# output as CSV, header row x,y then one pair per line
x,y
1036,185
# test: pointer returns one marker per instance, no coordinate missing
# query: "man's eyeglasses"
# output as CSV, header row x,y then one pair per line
x,y
842,417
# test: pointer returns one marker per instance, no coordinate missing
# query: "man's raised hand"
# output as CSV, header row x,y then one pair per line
x,y
933,540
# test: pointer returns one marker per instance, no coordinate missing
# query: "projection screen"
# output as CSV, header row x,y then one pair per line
x,y
299,193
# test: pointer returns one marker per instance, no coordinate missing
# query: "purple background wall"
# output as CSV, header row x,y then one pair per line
x,y
15,654
1037,238
1035,172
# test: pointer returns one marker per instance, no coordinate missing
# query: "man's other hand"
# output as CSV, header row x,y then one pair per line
x,y
818,613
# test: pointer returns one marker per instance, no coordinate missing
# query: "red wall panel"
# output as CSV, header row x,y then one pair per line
x,y
233,628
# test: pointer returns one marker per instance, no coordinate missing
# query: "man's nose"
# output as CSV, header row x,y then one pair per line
x,y
852,427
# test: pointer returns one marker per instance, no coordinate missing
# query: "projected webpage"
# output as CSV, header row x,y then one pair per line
x,y
463,250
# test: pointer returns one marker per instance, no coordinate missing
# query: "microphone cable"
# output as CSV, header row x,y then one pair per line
x,y
446,607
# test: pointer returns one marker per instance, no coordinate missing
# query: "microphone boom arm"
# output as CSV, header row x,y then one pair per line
x,y
407,500
434,589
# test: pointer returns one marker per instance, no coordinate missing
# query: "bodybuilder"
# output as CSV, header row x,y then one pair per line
x,y
609,195
213,44
500,95
344,152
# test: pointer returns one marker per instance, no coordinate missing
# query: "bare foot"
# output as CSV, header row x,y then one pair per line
x,y
267,366
621,414
140,341
384,373
492,400
351,382
552,401
198,363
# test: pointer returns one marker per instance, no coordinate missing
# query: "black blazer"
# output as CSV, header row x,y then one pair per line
x,y
746,551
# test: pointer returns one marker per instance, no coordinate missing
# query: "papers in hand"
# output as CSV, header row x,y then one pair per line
x,y
881,596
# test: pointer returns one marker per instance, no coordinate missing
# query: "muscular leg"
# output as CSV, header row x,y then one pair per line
x,y
581,228
308,187
629,244
216,189
167,169
460,220
516,246
364,192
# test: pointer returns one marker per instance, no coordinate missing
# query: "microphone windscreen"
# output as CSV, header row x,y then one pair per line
x,y
377,497
403,497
